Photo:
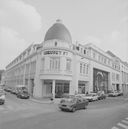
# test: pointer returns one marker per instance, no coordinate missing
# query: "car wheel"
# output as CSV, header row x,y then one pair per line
x,y
84,107
73,109
62,109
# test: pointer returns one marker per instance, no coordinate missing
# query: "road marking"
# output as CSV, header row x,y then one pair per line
x,y
124,121
122,125
115,127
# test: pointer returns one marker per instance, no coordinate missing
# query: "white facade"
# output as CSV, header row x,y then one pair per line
x,y
57,66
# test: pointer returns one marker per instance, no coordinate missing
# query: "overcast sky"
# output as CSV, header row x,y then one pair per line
x,y
23,22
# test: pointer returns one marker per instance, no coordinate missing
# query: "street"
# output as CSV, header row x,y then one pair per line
x,y
111,113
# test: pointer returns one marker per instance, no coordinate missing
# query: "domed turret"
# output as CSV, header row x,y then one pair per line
x,y
58,31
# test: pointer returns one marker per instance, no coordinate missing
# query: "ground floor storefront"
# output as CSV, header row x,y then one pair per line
x,y
59,88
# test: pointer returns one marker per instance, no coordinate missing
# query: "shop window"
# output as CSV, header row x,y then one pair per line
x,y
81,89
66,88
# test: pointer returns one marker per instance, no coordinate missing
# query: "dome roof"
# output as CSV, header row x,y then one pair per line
x,y
58,31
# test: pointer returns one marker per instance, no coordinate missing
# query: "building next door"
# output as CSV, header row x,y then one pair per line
x,y
61,88
100,80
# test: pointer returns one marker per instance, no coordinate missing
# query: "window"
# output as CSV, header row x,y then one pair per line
x,y
94,55
105,60
84,51
66,88
80,67
87,69
81,87
54,63
102,59
113,76
99,57
55,43
81,50
117,77
84,68
108,62
68,65
77,48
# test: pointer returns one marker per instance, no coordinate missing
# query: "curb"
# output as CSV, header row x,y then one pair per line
x,y
42,101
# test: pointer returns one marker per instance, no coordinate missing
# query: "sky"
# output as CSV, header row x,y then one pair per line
x,y
102,22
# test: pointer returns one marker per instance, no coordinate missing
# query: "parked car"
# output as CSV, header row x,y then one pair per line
x,y
14,91
91,97
120,93
73,103
101,95
2,96
8,89
22,92
113,94
23,95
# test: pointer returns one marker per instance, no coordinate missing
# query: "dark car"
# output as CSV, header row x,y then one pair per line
x,y
101,96
22,94
14,91
73,104
120,93
2,96
8,89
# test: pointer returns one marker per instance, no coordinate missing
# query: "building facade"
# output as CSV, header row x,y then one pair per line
x,y
57,66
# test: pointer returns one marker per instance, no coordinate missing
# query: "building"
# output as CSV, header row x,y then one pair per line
x,y
57,66
1,75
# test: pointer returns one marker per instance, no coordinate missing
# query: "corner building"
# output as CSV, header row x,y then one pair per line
x,y
57,66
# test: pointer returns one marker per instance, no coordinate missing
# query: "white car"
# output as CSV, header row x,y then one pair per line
x,y
91,97
113,94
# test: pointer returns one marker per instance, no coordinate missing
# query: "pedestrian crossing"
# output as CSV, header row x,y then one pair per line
x,y
122,125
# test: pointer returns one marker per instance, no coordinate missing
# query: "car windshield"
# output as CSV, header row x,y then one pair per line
x,y
25,92
89,95
72,100
69,96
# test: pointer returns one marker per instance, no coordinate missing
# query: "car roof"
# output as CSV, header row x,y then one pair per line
x,y
20,86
